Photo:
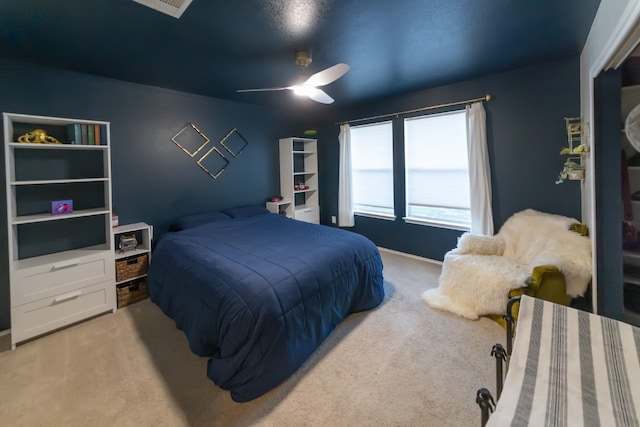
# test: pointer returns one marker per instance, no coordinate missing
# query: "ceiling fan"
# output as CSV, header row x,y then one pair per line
x,y
309,86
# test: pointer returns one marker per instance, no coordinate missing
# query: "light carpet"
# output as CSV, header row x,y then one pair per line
x,y
402,364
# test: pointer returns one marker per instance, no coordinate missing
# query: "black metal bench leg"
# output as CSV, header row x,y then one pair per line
x,y
500,354
510,324
486,403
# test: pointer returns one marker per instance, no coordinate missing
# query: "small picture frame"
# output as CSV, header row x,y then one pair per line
x,y
61,207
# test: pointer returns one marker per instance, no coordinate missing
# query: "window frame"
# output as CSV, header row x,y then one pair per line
x,y
371,214
448,224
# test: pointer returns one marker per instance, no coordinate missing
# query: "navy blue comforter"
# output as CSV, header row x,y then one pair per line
x,y
259,294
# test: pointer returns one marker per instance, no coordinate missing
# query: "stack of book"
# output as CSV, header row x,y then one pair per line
x,y
87,134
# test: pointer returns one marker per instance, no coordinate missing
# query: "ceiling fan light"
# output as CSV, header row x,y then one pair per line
x,y
303,90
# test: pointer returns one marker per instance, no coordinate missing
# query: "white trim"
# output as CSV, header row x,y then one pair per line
x,y
611,32
618,39
416,257
376,216
626,48
432,223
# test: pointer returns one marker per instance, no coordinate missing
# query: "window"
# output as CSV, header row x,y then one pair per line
x,y
372,169
437,170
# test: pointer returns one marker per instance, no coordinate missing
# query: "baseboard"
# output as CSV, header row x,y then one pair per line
x,y
416,257
5,341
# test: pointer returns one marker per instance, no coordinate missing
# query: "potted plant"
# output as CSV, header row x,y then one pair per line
x,y
570,170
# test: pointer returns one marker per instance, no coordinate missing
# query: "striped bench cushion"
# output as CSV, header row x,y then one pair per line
x,y
570,368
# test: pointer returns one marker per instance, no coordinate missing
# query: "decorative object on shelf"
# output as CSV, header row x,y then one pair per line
x,y
574,167
301,186
38,136
232,140
275,199
216,164
576,131
128,242
190,136
61,207
570,171
114,220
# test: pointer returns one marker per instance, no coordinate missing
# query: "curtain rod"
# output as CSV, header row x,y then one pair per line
x,y
487,97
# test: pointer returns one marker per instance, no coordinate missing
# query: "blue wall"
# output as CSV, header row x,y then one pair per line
x,y
153,180
525,132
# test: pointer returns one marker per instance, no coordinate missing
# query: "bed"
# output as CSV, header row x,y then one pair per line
x,y
257,292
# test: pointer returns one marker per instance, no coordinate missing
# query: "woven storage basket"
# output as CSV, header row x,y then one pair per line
x,y
128,268
131,292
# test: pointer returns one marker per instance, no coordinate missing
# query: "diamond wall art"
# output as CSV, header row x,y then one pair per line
x,y
191,140
234,142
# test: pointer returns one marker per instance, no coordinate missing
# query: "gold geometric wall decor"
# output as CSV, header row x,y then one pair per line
x,y
234,143
213,165
190,139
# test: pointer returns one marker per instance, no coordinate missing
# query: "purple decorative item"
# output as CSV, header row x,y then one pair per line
x,y
60,207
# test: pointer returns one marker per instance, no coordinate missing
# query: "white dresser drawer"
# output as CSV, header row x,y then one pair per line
x,y
36,283
308,215
42,316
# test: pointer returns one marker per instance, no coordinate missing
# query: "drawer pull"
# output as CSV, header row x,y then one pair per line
x,y
66,297
66,264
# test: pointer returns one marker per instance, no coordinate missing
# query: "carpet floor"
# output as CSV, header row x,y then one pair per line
x,y
402,364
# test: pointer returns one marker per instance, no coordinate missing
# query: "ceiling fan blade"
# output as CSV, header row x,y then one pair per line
x,y
263,89
319,95
328,75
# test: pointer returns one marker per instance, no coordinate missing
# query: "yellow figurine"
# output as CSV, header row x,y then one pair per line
x,y
38,136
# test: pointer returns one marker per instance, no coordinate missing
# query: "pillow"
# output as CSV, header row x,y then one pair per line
x,y
190,221
245,211
479,244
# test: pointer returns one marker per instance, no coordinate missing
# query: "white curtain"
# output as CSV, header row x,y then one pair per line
x,y
479,170
345,192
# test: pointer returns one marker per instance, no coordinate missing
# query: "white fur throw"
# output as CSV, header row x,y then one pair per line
x,y
479,273
480,245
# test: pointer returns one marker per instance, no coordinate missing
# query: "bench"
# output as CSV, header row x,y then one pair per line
x,y
567,367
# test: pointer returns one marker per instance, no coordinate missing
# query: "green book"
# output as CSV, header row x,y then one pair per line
x,y
91,138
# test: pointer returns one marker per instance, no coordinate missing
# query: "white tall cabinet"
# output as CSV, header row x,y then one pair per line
x,y
298,180
61,267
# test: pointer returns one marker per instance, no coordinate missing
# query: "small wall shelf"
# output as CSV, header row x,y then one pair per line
x,y
573,168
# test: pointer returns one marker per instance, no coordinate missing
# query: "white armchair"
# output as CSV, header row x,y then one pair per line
x,y
533,251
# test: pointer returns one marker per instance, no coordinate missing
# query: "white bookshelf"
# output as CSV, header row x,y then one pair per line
x,y
299,165
61,267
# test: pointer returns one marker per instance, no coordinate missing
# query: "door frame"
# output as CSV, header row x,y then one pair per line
x,y
614,33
